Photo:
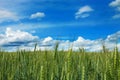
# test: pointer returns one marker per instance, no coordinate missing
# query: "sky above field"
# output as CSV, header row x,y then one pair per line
x,y
76,23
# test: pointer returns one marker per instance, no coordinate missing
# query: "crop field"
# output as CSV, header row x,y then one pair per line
x,y
60,65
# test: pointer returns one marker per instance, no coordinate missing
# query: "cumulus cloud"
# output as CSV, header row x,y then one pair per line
x,y
6,15
83,12
89,45
116,5
48,39
12,38
113,37
24,40
37,15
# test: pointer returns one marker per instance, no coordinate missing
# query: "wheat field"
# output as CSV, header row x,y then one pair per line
x,y
60,65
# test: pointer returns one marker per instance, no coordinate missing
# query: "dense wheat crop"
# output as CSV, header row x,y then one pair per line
x,y
60,65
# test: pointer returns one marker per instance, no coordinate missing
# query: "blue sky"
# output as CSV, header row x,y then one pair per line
x,y
61,19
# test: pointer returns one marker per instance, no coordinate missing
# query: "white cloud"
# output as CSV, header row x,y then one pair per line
x,y
84,9
90,45
25,40
116,5
6,15
83,12
113,37
37,15
48,39
16,36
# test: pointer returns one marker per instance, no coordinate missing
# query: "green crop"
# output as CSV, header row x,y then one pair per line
x,y
60,65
